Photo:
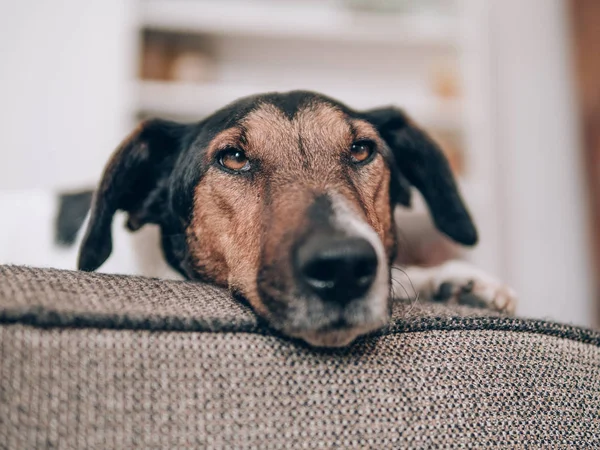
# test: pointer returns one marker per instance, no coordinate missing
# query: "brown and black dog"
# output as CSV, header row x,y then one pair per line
x,y
288,200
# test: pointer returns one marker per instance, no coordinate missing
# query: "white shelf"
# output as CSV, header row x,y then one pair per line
x,y
198,100
306,20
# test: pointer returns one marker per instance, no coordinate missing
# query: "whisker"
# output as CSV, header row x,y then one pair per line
x,y
409,280
408,297
402,241
412,305
392,290
416,298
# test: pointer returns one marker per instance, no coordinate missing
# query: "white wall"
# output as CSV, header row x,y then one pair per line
x,y
64,94
544,217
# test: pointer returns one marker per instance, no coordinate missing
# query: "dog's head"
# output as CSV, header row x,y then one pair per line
x,y
286,199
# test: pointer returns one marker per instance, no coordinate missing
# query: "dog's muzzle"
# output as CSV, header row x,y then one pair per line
x,y
337,278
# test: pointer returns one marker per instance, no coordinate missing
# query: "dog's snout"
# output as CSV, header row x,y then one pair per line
x,y
337,269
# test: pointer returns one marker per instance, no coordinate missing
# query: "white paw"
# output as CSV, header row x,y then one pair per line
x,y
459,282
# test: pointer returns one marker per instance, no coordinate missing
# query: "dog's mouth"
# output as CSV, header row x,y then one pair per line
x,y
323,324
339,334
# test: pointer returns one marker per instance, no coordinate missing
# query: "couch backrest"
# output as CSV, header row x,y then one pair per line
x,y
101,361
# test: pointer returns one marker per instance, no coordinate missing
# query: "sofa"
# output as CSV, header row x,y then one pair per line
x,y
104,361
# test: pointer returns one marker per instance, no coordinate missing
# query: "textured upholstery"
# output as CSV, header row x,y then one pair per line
x,y
102,361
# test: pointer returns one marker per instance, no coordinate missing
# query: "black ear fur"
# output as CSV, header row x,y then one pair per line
x,y
133,181
422,162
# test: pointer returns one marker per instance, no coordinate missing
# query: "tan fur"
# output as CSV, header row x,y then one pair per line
x,y
242,222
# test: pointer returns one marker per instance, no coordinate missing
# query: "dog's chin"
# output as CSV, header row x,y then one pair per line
x,y
323,324
335,338
338,336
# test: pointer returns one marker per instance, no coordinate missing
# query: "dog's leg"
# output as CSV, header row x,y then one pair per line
x,y
454,282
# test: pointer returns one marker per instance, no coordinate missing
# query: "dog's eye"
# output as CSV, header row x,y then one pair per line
x,y
234,159
361,151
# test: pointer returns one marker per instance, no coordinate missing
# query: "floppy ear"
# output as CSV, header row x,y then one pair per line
x,y
421,161
134,180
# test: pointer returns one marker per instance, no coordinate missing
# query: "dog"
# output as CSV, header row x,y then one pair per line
x,y
287,200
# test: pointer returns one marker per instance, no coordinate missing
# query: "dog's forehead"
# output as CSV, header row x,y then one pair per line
x,y
294,102
313,128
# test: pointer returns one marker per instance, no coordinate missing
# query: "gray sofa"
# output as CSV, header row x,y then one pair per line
x,y
104,361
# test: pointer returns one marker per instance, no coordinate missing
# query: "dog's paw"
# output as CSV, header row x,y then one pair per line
x,y
461,283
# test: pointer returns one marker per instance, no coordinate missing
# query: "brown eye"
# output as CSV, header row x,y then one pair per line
x,y
361,151
234,159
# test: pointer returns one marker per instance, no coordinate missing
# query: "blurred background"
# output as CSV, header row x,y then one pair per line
x,y
510,88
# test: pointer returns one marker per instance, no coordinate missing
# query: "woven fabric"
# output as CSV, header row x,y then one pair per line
x,y
99,361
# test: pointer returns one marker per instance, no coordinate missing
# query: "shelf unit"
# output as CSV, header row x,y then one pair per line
x,y
363,59
311,20
199,99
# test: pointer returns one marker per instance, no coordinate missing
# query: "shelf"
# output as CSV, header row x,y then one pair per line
x,y
305,20
198,100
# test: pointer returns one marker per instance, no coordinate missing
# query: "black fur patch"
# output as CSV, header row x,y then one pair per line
x,y
444,293
72,210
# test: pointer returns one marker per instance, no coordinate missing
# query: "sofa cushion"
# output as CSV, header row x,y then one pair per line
x,y
105,361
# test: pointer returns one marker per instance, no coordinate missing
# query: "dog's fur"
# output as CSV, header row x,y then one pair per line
x,y
242,230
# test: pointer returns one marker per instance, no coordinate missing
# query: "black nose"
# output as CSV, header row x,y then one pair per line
x,y
337,269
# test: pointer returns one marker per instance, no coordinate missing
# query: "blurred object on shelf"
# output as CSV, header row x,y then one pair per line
x,y
191,67
401,6
445,79
174,58
155,57
191,62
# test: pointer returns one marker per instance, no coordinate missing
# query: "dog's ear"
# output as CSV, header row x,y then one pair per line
x,y
133,181
420,160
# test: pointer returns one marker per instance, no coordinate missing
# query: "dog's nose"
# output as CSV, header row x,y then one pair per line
x,y
337,269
